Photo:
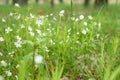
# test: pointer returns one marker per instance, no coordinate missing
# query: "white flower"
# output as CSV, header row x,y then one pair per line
x,y
11,14
77,42
3,20
98,35
39,32
87,29
4,63
16,77
51,41
73,18
22,26
7,30
38,59
90,17
17,5
8,73
81,17
39,22
17,17
54,18
68,37
18,44
69,30
99,25
84,31
43,34
17,66
32,33
47,50
62,13
31,15
18,38
12,52
51,14
76,19
29,28
48,29
1,39
85,23
1,78
41,17
78,33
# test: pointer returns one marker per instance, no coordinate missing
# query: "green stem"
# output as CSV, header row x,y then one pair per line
x,y
71,8
34,63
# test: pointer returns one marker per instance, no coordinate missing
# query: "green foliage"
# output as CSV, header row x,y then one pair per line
x,y
56,45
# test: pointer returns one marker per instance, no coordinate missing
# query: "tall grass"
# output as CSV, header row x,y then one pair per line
x,y
67,47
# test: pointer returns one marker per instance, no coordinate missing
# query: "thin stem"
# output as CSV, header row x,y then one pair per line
x,y
34,63
71,8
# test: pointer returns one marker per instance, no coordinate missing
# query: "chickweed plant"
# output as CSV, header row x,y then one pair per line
x,y
56,47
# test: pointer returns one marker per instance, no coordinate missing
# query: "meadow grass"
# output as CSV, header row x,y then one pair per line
x,y
58,46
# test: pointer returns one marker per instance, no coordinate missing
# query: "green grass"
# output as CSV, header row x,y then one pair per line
x,y
68,47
